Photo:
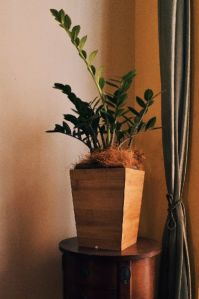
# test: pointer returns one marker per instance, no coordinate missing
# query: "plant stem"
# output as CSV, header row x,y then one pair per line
x,y
102,96
88,67
121,144
103,140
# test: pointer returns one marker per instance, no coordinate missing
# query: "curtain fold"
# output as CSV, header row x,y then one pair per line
x,y
174,41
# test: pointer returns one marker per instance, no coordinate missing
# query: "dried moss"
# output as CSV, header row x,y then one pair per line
x,y
112,158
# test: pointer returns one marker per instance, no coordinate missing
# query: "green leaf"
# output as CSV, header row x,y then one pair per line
x,y
143,112
99,73
108,115
84,54
82,42
151,123
111,99
148,95
128,119
134,111
67,129
75,32
129,75
77,41
64,88
93,69
71,118
67,22
126,85
101,82
62,15
140,102
121,99
92,56
55,13
119,112
57,129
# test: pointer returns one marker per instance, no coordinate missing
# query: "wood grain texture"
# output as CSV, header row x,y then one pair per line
x,y
107,206
144,280
93,274
144,248
134,182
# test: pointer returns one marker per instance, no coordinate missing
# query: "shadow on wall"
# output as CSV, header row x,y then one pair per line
x,y
31,267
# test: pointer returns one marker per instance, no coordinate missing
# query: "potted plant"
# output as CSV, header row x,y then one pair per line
x,y
107,184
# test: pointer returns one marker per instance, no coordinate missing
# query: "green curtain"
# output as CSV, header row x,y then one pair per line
x,y
174,40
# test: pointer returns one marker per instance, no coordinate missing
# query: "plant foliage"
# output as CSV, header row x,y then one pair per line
x,y
106,121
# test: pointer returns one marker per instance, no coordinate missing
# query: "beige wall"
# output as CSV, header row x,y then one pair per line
x,y
35,200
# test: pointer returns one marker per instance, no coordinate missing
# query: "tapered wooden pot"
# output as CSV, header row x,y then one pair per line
x,y
107,204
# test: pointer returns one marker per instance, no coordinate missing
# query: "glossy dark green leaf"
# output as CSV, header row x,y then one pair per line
x,y
108,115
93,69
57,129
151,123
65,88
109,103
67,129
67,22
137,119
143,112
62,15
128,120
121,99
77,41
148,95
126,85
101,82
111,99
84,54
135,112
129,75
102,129
55,13
71,118
140,102
75,32
119,112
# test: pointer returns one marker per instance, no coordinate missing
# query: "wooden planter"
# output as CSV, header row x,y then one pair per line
x,y
107,204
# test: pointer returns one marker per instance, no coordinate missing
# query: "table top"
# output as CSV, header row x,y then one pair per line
x,y
144,248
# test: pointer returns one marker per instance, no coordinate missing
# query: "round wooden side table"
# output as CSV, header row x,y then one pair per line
x,y
102,274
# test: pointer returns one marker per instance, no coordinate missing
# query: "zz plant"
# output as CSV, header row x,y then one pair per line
x,y
106,121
